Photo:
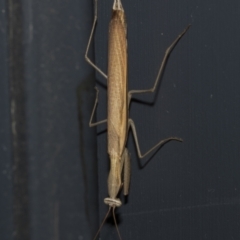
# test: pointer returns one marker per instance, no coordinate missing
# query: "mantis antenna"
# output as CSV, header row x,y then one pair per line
x,y
104,220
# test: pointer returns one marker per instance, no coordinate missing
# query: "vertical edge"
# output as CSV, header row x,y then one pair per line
x,y
18,121
6,187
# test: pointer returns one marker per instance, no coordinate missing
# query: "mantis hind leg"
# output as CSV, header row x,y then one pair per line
x,y
159,144
162,66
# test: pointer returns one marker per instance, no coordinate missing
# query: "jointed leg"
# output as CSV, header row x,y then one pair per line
x,y
163,64
126,171
93,111
162,142
90,40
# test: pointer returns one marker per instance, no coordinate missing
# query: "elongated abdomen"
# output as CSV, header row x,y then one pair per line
x,y
117,85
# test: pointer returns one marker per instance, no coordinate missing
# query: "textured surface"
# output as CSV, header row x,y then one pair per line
x,y
117,85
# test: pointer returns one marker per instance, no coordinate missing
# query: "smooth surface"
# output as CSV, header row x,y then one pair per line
x,y
62,155
6,184
188,190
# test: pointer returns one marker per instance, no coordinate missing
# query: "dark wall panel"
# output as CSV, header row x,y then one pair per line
x,y
47,100
60,91
6,180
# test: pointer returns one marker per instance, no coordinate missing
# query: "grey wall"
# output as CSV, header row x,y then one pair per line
x,y
48,158
6,198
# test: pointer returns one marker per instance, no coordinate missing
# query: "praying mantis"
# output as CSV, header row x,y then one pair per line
x,y
119,98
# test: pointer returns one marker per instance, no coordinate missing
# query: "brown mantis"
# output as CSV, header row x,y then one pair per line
x,y
118,122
